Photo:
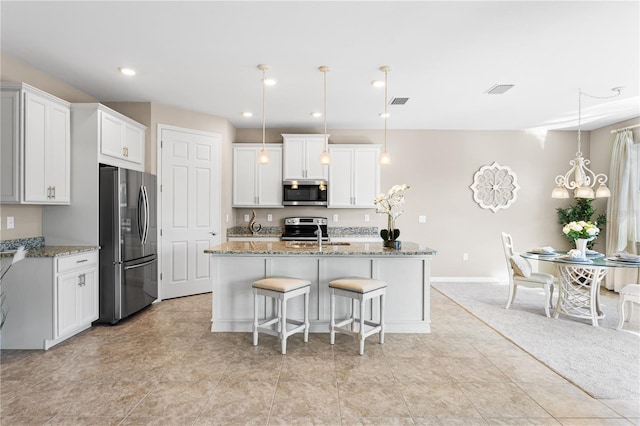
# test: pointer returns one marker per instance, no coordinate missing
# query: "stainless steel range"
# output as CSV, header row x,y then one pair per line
x,y
304,228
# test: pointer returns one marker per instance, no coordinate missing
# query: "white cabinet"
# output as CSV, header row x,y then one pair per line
x,y
257,185
50,299
121,140
301,157
77,292
91,124
36,146
354,176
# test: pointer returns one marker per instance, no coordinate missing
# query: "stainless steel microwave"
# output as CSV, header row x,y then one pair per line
x,y
304,193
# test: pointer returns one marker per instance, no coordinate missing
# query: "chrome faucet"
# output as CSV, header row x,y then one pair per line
x,y
319,235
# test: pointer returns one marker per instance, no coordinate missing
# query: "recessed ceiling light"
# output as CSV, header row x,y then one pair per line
x,y
316,114
247,114
127,71
377,83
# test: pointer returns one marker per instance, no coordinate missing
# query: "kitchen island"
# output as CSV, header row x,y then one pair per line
x,y
236,265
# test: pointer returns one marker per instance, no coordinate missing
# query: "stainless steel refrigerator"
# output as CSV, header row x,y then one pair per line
x,y
128,242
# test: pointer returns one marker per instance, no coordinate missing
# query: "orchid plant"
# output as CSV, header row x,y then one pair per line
x,y
389,204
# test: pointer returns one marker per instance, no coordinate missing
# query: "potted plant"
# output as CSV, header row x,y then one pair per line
x,y
389,204
581,210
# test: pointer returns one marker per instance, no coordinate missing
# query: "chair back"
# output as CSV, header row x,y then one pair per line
x,y
507,245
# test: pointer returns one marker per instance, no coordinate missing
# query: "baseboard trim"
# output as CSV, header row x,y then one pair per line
x,y
468,280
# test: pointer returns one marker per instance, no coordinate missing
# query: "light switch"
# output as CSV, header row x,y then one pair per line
x,y
10,223
246,218
335,217
422,219
366,218
269,218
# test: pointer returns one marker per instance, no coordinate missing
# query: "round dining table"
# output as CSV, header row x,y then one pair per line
x,y
579,281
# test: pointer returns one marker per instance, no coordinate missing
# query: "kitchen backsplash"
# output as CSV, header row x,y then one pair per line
x,y
28,243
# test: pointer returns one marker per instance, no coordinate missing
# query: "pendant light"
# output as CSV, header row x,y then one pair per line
x,y
580,178
263,155
385,157
325,157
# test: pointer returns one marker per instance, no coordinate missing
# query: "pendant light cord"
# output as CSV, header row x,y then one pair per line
x,y
326,144
264,120
618,91
385,111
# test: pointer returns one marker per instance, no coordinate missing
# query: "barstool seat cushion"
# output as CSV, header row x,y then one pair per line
x,y
281,284
357,284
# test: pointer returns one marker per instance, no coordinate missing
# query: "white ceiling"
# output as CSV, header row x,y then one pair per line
x,y
203,56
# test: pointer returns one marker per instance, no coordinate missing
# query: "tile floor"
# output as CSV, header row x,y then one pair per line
x,y
164,367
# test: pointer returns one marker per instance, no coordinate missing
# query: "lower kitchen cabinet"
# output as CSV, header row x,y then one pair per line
x,y
49,299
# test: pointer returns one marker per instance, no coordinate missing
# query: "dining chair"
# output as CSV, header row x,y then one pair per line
x,y
520,274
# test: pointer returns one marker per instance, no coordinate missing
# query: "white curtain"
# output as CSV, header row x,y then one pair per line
x,y
623,217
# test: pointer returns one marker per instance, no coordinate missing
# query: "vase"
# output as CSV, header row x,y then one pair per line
x,y
390,235
581,245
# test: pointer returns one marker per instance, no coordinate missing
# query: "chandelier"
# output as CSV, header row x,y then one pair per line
x,y
580,178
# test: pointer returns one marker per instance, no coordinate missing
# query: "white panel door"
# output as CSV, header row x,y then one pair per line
x,y
189,210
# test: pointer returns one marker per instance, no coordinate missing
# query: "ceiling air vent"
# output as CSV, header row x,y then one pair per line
x,y
398,101
499,89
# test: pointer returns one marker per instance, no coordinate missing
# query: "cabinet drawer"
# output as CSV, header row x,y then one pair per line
x,y
77,261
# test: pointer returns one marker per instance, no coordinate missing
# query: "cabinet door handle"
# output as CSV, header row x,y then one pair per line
x,y
53,188
81,280
82,260
125,151
49,192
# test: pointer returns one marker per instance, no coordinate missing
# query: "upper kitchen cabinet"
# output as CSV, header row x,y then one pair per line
x,y
302,157
35,146
254,184
121,140
94,130
354,176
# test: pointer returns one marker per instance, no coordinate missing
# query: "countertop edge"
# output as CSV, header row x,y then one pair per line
x,y
51,251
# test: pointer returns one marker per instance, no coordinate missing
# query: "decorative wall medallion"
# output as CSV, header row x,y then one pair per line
x,y
494,187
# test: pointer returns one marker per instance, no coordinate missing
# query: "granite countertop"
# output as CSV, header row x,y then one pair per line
x,y
51,251
332,231
282,248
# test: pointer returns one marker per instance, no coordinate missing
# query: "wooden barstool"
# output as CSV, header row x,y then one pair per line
x,y
281,289
361,289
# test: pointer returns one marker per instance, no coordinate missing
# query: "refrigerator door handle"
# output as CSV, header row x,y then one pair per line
x,y
146,215
140,214
140,265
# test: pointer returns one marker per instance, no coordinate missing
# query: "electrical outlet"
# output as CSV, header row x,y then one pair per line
x,y
335,217
246,218
465,256
366,218
422,219
269,218
10,222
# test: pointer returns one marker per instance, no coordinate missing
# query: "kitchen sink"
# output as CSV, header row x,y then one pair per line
x,y
311,244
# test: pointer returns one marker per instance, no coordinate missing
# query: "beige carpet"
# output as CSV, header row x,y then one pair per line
x,y
603,361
